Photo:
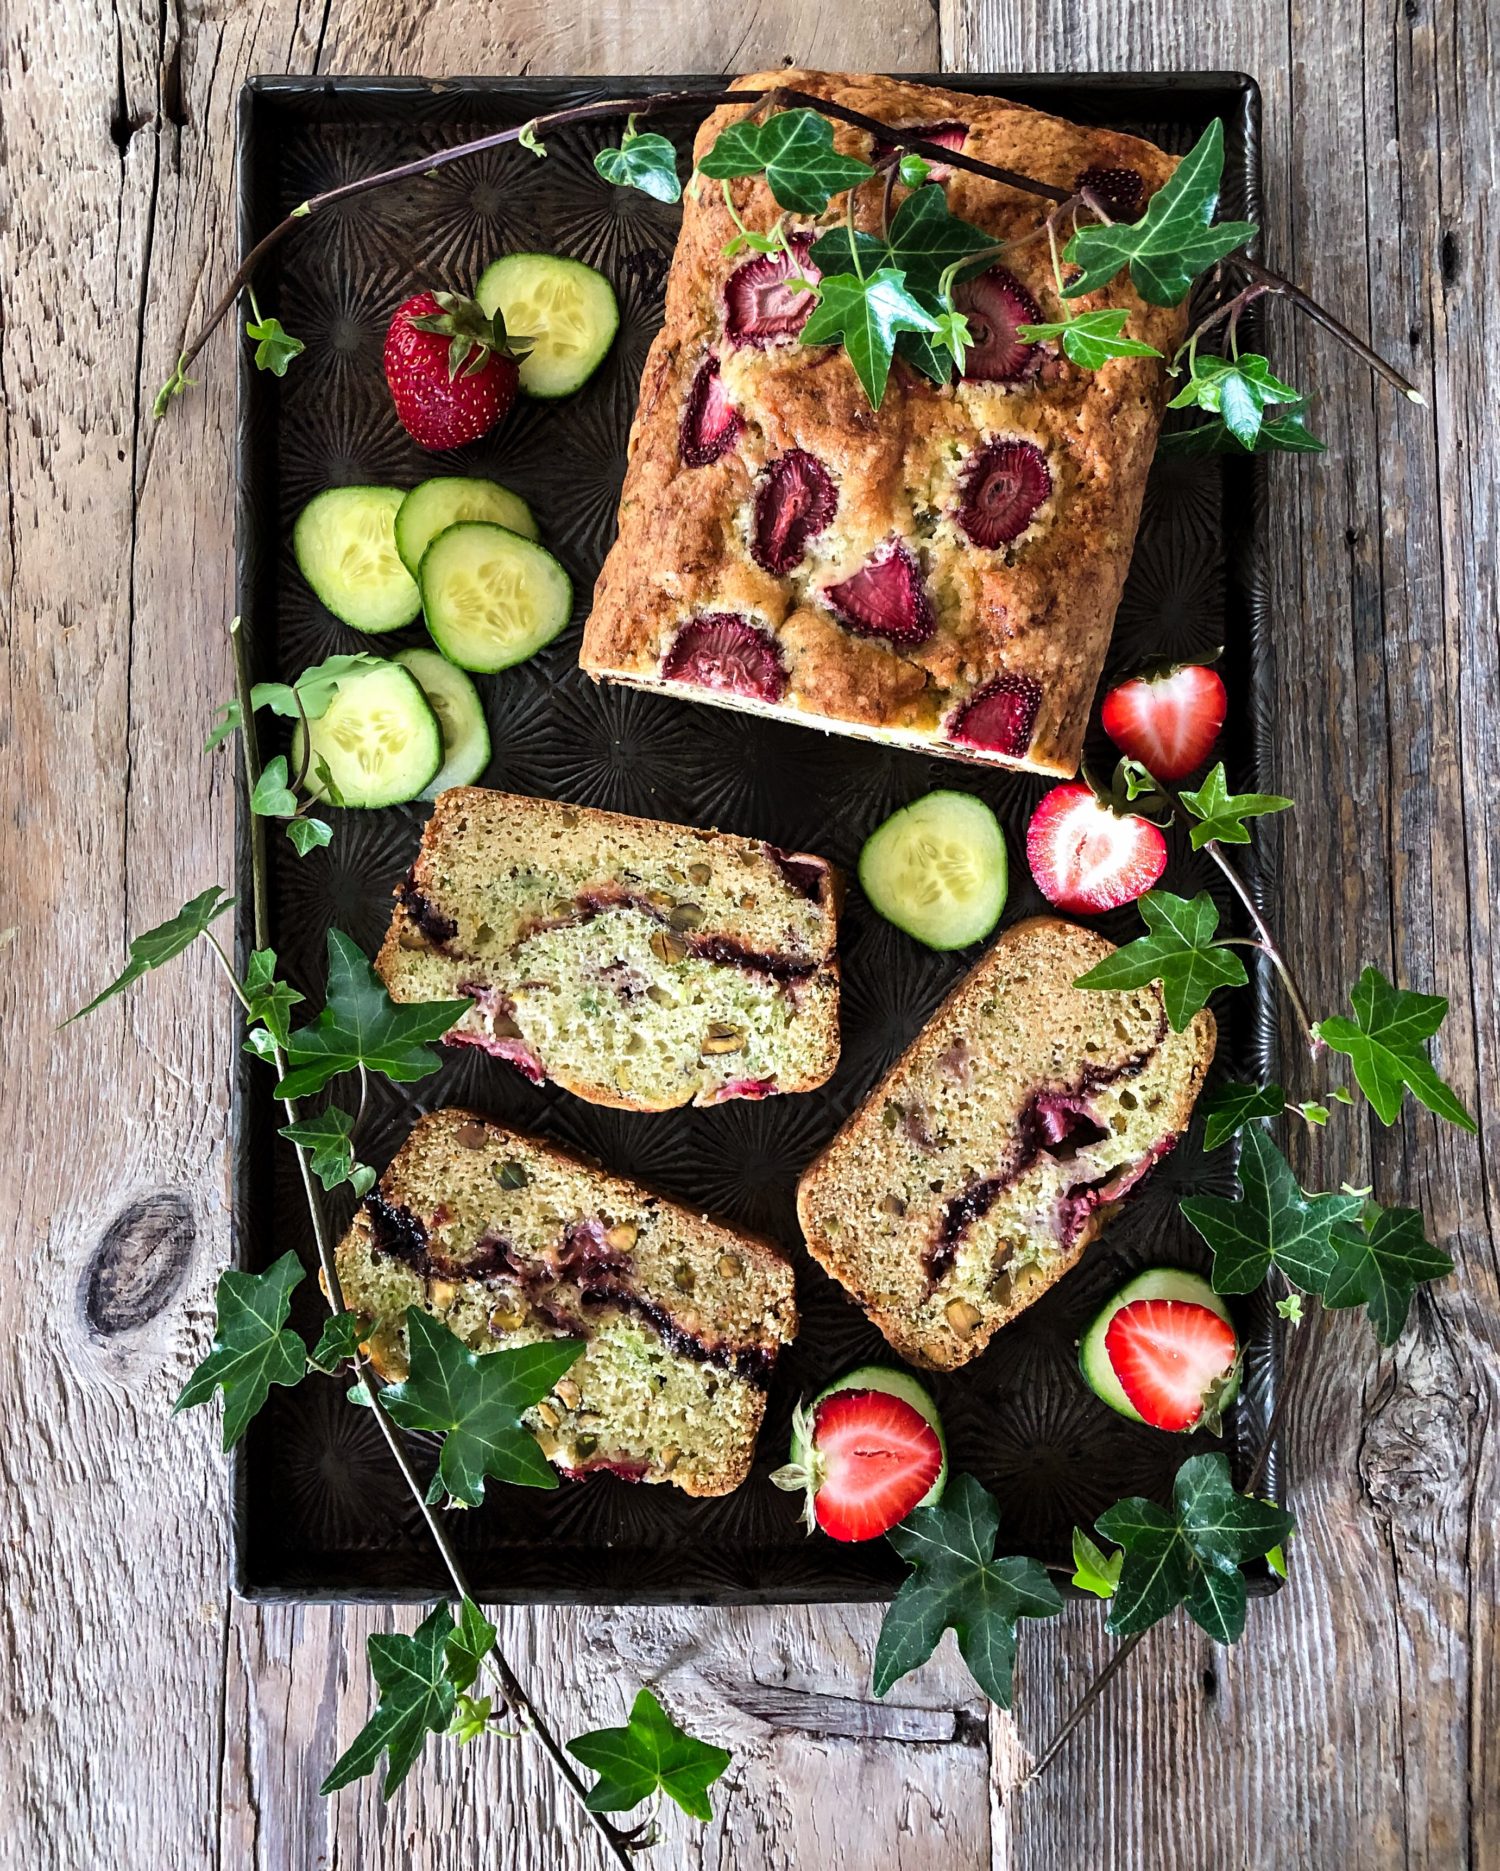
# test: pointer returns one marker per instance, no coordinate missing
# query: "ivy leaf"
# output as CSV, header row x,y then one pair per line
x,y
912,170
274,347
273,798
224,723
645,161
1090,339
308,834
416,1699
1289,1307
866,314
316,686
527,137
1227,1109
1274,1223
1382,1259
271,1001
1386,1045
251,1349
469,1642
475,1403
795,150
1173,242
1222,814
1095,1571
471,1717
337,1342
1286,433
925,239
1239,389
330,1138
650,1754
361,1025
163,943
1179,951
1193,1554
958,1582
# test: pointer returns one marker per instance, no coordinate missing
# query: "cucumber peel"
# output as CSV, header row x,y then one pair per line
x,y
803,1472
1175,1283
938,870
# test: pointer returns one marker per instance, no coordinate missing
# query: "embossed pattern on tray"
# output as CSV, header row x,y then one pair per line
x,y
320,1511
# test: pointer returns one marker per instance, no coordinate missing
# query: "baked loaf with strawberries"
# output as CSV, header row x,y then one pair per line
x,y
942,572
641,965
509,1240
1000,1143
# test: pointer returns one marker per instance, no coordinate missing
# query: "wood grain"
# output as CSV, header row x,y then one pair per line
x,y
148,1709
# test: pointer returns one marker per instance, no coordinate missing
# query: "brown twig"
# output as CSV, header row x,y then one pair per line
x,y
1284,288
511,1686
1081,1708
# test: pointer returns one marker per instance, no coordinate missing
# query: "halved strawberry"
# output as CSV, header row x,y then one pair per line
x,y
710,422
865,1453
1121,191
1087,858
1168,722
721,650
999,717
1003,487
995,304
1174,1359
794,501
758,304
885,597
948,135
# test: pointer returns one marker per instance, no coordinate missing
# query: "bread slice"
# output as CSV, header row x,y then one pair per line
x,y
509,1240
1000,1143
638,964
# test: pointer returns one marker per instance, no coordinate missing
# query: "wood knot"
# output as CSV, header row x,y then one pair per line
x,y
1415,1452
140,1262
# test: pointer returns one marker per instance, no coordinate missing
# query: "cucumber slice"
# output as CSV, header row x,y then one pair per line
x,y
345,542
433,505
938,870
453,698
491,597
379,737
1154,1283
895,1384
568,311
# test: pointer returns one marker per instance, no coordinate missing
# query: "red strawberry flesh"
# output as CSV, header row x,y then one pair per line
x,y
995,304
722,651
759,305
1121,192
878,1457
1168,722
885,597
1003,487
1086,858
710,422
948,135
1170,1355
1000,717
794,501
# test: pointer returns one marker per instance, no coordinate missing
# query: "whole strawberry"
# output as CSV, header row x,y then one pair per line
x,y
453,370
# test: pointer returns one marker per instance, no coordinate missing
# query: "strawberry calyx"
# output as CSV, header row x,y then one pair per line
x,y
1131,792
475,336
1160,668
808,1475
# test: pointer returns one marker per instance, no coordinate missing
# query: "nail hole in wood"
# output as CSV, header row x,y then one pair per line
x,y
140,1262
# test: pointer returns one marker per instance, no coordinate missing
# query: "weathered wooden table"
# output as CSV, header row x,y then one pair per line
x,y
148,1718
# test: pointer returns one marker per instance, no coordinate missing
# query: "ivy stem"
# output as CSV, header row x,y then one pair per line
x,y
1284,288
228,967
510,1684
1268,947
1081,1708
1230,309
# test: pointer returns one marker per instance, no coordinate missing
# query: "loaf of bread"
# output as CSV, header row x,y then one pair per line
x,y
508,1240
640,965
940,573
1000,1143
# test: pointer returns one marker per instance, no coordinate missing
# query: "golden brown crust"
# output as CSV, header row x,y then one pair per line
x,y
1042,608
1031,966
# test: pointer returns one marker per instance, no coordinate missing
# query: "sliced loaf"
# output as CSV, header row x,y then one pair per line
x,y
509,1240
1001,1142
638,964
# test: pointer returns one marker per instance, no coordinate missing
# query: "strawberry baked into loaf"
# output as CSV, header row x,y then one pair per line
x,y
942,572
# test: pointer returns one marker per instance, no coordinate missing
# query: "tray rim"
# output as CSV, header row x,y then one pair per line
x,y
1245,596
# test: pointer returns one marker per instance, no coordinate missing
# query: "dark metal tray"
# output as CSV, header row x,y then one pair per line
x,y
319,1510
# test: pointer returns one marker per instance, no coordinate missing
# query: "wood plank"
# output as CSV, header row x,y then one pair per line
x,y
1336,1731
